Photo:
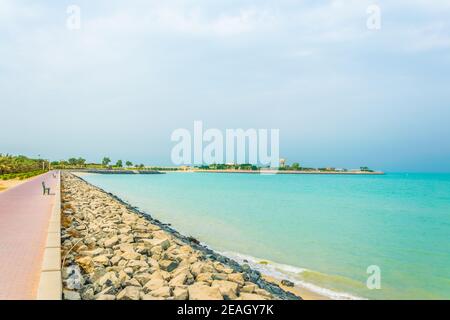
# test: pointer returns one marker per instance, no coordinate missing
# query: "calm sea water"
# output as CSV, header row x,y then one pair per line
x,y
322,231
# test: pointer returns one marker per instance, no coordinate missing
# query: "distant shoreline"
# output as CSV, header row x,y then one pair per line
x,y
264,171
292,172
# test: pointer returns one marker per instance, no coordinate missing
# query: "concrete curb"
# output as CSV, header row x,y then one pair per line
x,y
50,283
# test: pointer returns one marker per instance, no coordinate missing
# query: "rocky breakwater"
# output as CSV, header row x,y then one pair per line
x,y
112,252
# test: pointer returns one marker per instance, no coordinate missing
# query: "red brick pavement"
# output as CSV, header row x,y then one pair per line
x,y
24,219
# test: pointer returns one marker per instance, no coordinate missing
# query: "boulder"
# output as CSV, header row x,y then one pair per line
x,y
126,247
186,249
219,276
163,292
152,227
228,270
87,294
125,230
154,284
71,295
128,218
73,277
248,288
111,242
115,260
163,243
122,276
196,268
152,262
97,274
122,263
168,265
129,293
203,292
93,253
160,234
143,278
130,255
287,283
208,267
236,277
109,279
262,292
101,259
166,275
156,250
218,266
128,270
137,264
207,277
180,293
132,282
157,275
179,280
228,289
250,296
86,264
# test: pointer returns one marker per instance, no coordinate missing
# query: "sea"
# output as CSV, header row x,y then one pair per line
x,y
341,236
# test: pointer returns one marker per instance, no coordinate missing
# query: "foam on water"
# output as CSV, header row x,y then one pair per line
x,y
287,272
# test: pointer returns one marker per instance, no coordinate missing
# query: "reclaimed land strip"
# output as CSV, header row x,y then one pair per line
x,y
113,251
105,171
274,171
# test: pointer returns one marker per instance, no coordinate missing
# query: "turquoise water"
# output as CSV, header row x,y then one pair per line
x,y
323,231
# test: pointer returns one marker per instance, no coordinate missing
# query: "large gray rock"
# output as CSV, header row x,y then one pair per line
x,y
74,280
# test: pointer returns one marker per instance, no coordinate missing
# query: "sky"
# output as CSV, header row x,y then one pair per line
x,y
341,94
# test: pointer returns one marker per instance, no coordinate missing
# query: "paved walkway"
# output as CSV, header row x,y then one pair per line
x,y
24,219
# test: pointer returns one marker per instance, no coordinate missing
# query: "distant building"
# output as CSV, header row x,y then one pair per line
x,y
282,163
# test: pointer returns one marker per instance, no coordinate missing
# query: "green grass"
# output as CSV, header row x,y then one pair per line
x,y
22,175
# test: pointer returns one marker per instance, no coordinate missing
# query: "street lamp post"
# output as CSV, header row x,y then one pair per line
x,y
43,162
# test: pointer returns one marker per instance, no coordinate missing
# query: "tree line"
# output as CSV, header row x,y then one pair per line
x,y
81,163
19,164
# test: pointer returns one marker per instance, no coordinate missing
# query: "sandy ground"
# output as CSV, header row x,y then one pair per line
x,y
7,184
302,292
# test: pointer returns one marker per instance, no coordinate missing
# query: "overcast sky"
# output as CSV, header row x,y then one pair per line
x,y
341,94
